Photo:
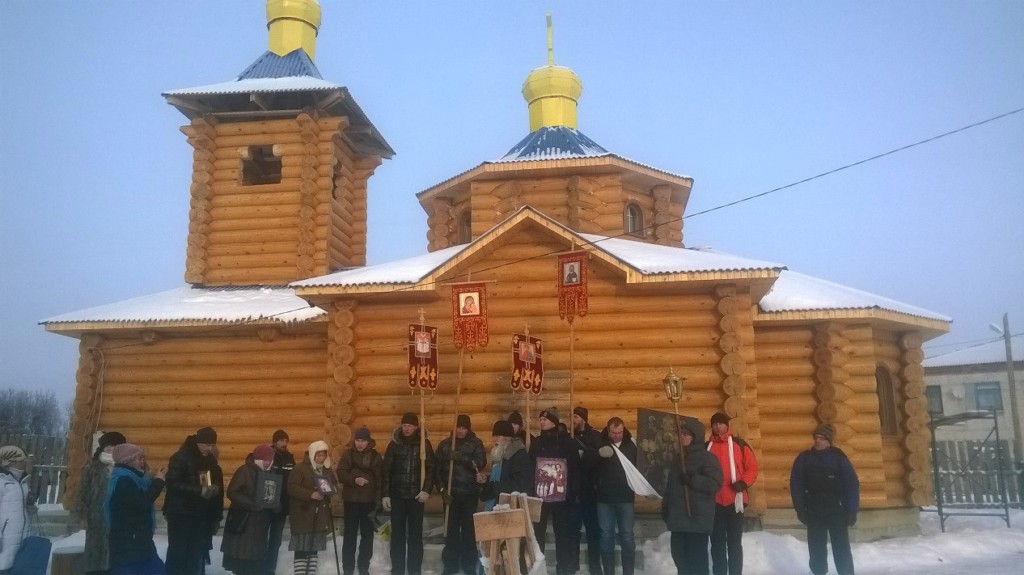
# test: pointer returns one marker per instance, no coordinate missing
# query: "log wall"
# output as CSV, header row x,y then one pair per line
x,y
244,386
310,223
622,350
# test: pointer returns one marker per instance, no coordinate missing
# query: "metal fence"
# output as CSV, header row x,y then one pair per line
x,y
49,471
969,474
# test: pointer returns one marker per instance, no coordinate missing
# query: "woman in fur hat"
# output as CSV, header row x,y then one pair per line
x,y
310,486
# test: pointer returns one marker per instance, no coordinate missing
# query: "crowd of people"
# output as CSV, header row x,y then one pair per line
x,y
589,486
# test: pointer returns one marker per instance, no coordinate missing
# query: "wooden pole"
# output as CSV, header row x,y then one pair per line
x,y
423,441
455,422
674,392
572,345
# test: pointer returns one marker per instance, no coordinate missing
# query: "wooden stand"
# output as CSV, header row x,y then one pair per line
x,y
507,534
68,561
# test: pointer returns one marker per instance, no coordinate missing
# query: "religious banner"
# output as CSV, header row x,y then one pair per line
x,y
469,315
527,363
422,356
572,285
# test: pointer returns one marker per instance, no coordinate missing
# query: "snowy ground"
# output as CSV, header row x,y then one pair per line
x,y
981,545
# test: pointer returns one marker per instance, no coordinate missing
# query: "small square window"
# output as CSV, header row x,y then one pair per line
x,y
988,396
261,166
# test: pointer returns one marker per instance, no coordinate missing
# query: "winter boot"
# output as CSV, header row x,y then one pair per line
x,y
628,562
608,563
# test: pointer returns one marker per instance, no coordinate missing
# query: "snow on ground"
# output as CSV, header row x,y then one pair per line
x,y
970,545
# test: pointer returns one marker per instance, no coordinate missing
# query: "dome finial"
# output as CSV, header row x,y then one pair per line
x,y
293,24
552,91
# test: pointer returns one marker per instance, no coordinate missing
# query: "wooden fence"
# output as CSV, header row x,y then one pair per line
x,y
49,464
969,474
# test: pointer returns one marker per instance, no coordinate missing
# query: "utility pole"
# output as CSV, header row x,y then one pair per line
x,y
1018,449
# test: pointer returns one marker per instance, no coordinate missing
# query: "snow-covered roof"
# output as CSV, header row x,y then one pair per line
x,y
798,292
260,85
657,259
991,352
553,143
192,304
407,271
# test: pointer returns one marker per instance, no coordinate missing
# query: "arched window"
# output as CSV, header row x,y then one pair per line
x,y
465,227
886,402
633,220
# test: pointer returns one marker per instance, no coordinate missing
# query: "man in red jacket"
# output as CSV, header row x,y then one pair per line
x,y
739,468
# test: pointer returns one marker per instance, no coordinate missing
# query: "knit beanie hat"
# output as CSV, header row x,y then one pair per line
x,y
827,431
550,414
363,433
206,436
279,435
719,418
410,418
11,454
125,452
463,421
515,418
112,438
503,428
263,453
581,411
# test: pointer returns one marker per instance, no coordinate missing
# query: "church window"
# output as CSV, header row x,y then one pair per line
x,y
260,166
465,227
886,402
633,220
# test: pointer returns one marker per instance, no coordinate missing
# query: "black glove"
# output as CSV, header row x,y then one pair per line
x,y
851,520
802,516
739,486
684,478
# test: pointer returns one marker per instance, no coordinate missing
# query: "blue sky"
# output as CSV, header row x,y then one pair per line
x,y
743,97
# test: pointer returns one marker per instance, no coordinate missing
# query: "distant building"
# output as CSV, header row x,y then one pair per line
x,y
975,379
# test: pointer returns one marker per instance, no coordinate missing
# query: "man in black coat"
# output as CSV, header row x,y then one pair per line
x,y
615,497
405,490
460,466
556,472
194,503
284,462
588,441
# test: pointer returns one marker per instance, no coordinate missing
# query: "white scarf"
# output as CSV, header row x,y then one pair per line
x,y
637,482
738,502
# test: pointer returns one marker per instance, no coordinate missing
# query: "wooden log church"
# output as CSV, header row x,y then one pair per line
x,y
281,324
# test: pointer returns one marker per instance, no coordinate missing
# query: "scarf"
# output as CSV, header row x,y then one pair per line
x,y
738,501
636,480
142,481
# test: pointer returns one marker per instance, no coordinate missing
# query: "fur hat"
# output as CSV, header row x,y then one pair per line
x,y
125,452
11,454
463,421
112,438
581,411
319,446
827,431
263,453
278,436
206,436
515,418
503,428
410,418
719,418
550,414
363,433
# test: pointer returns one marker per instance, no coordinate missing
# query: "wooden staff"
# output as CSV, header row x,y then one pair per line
x,y
423,442
572,345
451,455
674,391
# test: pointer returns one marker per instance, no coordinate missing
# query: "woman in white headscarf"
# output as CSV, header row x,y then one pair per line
x,y
310,486
13,496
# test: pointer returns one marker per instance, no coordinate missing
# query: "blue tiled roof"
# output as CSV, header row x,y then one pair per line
x,y
270,65
554,142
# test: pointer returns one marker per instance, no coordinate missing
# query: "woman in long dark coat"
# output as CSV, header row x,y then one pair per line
x,y
92,490
310,485
247,529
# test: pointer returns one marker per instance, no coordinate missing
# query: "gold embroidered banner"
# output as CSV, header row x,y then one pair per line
x,y
527,363
572,285
422,356
469,315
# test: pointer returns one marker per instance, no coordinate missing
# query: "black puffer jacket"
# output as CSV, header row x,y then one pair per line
x,y
559,444
131,519
469,457
183,487
609,475
401,470
588,441
703,479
